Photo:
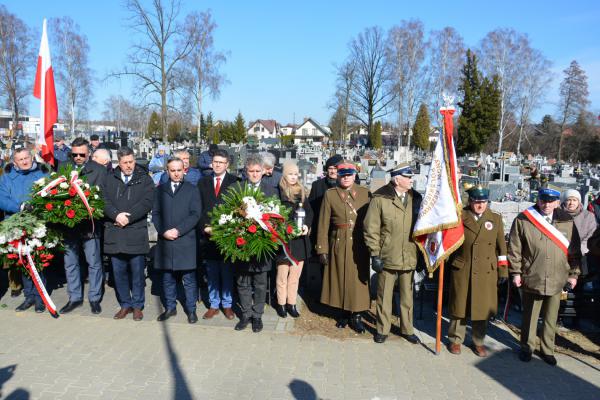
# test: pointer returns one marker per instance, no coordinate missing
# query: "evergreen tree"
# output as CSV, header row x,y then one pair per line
x,y
422,128
574,99
173,131
375,136
154,126
239,129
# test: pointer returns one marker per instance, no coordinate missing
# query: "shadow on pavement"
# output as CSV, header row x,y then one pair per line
x,y
536,380
302,390
6,373
181,390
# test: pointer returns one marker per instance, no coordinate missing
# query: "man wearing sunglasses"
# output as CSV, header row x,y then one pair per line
x,y
83,238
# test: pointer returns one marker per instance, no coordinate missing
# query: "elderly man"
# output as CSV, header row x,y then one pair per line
x,y
219,273
190,174
270,175
84,238
544,254
388,227
342,250
128,197
103,157
175,213
15,188
478,266
252,276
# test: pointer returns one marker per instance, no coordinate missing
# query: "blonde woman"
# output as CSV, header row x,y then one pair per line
x,y
293,195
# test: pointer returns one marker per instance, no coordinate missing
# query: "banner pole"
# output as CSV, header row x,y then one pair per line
x,y
438,327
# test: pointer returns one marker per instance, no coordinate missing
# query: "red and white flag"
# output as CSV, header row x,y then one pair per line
x,y
44,90
439,230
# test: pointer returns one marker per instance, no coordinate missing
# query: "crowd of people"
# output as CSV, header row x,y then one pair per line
x,y
350,230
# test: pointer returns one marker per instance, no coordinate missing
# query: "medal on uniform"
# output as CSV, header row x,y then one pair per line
x,y
488,225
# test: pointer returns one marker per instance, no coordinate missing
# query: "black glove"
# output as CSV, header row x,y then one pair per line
x,y
376,264
502,280
324,259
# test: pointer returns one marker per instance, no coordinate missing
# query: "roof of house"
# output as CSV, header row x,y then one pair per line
x,y
324,131
269,124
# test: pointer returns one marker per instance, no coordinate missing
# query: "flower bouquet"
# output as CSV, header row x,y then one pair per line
x,y
248,225
65,198
24,234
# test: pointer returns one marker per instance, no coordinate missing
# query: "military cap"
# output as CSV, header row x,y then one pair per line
x,y
403,169
344,169
478,193
547,194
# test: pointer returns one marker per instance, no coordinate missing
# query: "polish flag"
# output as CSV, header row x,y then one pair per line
x,y
44,90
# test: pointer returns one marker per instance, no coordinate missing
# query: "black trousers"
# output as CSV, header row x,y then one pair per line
x,y
252,293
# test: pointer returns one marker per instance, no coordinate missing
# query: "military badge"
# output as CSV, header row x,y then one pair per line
x,y
488,225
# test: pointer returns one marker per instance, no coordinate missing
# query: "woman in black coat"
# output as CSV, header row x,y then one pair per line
x,y
292,195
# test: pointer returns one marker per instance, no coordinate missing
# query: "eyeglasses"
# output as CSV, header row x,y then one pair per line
x,y
82,155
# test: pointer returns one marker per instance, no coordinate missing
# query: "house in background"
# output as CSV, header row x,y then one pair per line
x,y
264,129
310,132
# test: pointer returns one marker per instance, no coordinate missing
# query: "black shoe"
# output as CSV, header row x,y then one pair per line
x,y
242,324
95,307
192,317
379,338
166,315
70,306
341,323
26,305
414,339
292,310
524,356
548,359
356,323
257,325
15,293
40,308
281,311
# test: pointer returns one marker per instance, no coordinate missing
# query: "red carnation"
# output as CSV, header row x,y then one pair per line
x,y
53,192
289,229
70,213
40,248
49,206
87,193
68,203
72,192
12,256
240,241
252,229
45,264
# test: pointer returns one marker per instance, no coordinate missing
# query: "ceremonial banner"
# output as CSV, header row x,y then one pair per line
x,y
438,230
44,90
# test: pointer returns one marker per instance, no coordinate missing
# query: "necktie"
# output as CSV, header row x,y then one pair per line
x,y
218,186
175,185
549,220
126,179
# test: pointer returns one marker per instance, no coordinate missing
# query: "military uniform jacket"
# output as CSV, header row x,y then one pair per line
x,y
474,269
340,234
388,227
543,267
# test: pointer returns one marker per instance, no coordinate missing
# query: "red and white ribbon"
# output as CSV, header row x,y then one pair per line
x,y
264,223
547,229
35,277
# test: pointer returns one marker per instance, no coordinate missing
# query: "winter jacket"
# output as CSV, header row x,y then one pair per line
x,y
16,184
134,198
585,221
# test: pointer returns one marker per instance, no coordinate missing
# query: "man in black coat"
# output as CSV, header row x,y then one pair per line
x,y
252,276
128,199
83,238
219,273
318,189
176,212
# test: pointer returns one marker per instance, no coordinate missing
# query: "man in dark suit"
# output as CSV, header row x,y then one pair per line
x,y
83,238
175,213
219,272
252,276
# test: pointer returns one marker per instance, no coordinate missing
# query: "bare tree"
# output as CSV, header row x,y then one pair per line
x,y
125,114
164,44
535,78
16,55
341,99
371,95
72,67
500,53
406,51
573,98
200,70
446,58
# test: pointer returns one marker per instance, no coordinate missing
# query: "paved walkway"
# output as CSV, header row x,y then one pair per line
x,y
82,356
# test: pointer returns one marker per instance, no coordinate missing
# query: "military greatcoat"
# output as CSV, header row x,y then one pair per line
x,y
340,235
475,270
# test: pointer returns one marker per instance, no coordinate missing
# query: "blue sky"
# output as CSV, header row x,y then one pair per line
x,y
282,53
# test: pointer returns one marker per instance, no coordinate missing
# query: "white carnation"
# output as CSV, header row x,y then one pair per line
x,y
43,193
64,185
2,239
40,182
95,197
86,185
225,218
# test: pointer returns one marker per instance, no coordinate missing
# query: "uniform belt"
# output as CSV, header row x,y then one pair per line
x,y
344,226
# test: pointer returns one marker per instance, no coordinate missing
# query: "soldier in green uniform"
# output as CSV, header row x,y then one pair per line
x,y
477,268
341,248
388,226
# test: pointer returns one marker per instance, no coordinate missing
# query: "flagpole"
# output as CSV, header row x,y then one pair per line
x,y
438,325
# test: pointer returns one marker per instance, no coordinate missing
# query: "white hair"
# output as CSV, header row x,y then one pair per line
x,y
103,153
268,159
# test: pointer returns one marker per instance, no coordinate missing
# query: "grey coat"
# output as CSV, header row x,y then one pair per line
x,y
585,221
180,210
